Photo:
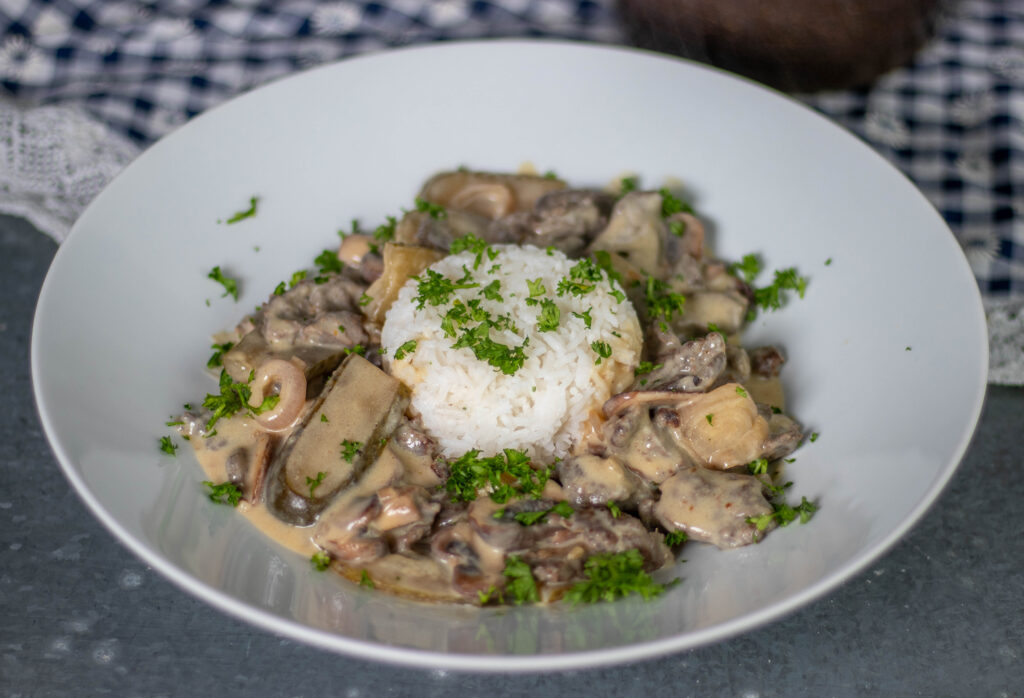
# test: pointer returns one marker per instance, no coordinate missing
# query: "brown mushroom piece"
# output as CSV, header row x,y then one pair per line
x,y
712,506
636,231
342,435
567,220
720,429
721,301
591,480
311,324
491,196
632,439
401,262
692,366
424,230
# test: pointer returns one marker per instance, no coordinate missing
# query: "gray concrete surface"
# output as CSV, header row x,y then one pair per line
x,y
942,614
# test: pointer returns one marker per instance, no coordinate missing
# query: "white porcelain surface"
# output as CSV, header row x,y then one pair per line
x,y
887,353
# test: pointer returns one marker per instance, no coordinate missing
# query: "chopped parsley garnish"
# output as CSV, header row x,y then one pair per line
x,y
614,575
320,560
672,204
677,228
770,297
626,185
314,482
248,213
477,246
585,317
230,285
323,417
357,349
328,262
645,367
583,277
814,436
385,231
536,289
365,581
758,466
224,493
785,514
828,262
506,359
167,446
296,278
365,300
710,418
550,316
233,397
406,348
521,587
614,509
749,267
602,349
434,288
550,174
662,303
529,518
740,391
506,475
349,449
433,210
279,289
492,291
674,538
218,354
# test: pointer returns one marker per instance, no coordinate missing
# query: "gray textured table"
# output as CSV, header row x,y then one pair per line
x,y
942,614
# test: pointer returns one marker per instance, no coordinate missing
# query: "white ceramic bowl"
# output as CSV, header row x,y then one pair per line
x,y
887,353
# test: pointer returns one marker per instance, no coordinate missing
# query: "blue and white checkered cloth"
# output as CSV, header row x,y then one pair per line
x,y
952,120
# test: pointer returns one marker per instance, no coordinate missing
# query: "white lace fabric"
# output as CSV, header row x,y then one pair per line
x,y
54,160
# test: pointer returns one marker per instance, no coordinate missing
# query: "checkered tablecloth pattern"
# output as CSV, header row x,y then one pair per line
x,y
952,120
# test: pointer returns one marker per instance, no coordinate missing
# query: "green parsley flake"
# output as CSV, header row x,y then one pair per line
x,y
674,538
433,210
740,391
477,246
785,514
323,417
386,231
521,587
279,289
320,560
357,349
671,204
614,575
167,446
758,466
349,449
710,418
602,349
662,303
365,300
296,278
677,228
814,436
627,185
313,483
492,291
328,262
645,367
435,289
365,580
614,509
529,518
406,348
749,267
509,474
230,285
585,317
248,213
224,493
549,317
217,359
583,278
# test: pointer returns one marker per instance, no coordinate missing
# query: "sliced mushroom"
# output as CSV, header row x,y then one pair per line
x,y
720,429
342,435
693,366
592,480
635,442
288,382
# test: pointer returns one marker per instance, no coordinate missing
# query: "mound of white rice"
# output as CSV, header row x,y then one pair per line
x,y
465,403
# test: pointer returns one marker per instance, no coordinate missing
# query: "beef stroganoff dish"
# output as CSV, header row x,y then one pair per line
x,y
515,392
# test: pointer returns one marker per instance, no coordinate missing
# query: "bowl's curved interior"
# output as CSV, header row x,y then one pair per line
x,y
887,352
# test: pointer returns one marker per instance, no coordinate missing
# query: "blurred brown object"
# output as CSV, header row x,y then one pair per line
x,y
793,45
